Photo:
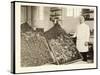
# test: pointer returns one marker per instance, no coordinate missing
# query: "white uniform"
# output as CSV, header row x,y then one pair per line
x,y
82,34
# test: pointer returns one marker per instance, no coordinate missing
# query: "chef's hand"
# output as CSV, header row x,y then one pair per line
x,y
86,43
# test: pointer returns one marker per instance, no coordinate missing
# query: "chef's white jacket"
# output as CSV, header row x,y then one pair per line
x,y
83,34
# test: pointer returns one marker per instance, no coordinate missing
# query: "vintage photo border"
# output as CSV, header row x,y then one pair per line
x,y
13,36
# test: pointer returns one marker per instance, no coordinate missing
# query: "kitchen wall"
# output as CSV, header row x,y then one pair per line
x,y
41,20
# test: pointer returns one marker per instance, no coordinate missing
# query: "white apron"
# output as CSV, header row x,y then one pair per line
x,y
82,34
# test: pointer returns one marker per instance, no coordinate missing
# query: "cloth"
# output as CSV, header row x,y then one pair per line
x,y
82,34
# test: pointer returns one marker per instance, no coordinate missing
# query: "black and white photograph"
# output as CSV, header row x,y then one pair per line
x,y
53,37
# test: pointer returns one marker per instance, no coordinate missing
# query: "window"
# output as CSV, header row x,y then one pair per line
x,y
74,12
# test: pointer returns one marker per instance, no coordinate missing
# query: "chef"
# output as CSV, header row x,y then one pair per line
x,y
82,34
